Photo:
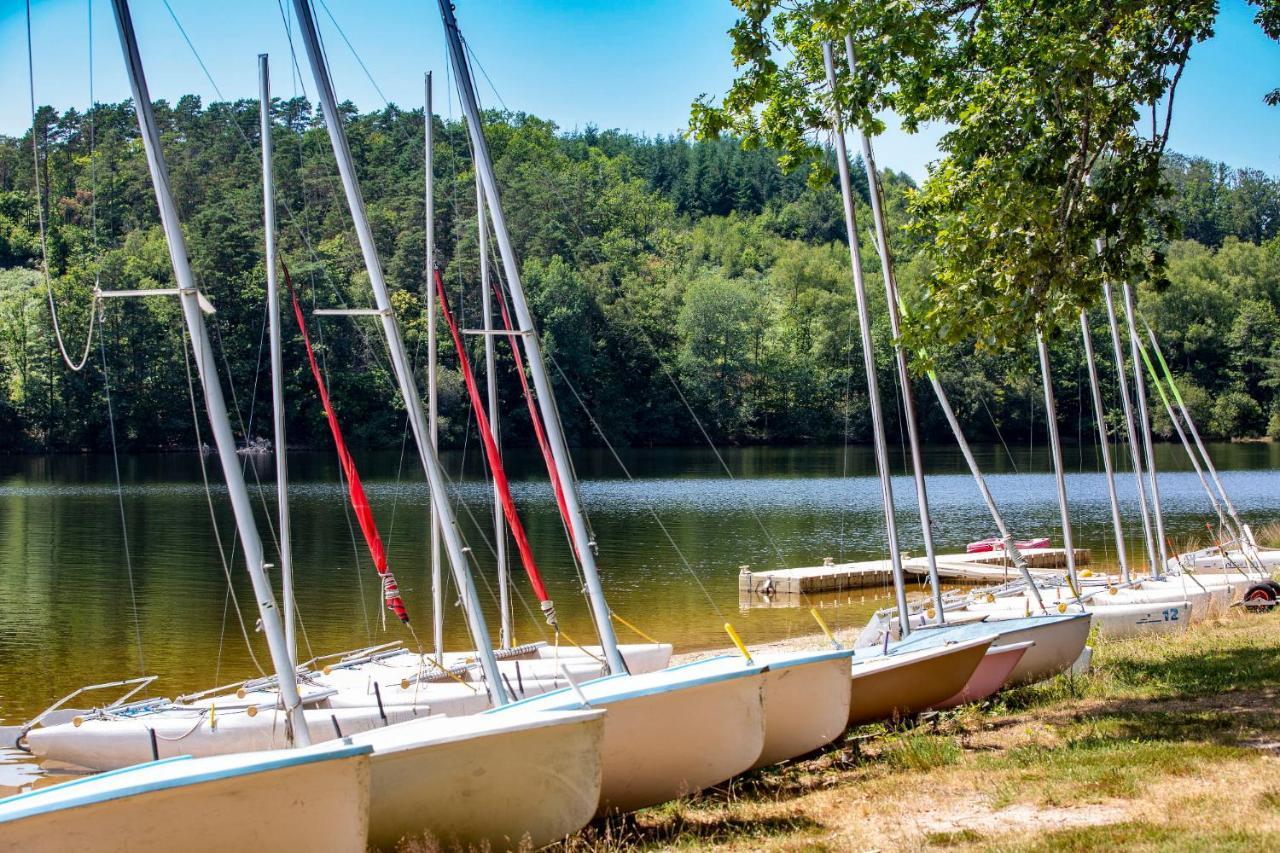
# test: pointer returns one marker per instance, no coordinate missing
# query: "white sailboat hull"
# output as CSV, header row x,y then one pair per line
x,y
1213,561
1128,620
516,781
213,805
806,703
670,733
117,742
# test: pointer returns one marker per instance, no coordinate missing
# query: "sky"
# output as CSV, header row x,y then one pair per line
x,y
628,64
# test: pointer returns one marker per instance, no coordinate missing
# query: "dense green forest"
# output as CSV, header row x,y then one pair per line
x,y
676,283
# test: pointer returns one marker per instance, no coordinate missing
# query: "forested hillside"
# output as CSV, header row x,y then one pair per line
x,y
670,279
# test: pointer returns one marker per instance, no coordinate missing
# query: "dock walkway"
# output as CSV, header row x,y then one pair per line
x,y
986,567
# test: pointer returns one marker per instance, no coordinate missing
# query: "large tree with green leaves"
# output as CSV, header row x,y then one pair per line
x,y
1057,115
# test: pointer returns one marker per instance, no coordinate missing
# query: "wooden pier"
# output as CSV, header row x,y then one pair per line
x,y
986,567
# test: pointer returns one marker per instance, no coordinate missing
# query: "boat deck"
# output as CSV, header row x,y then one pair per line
x,y
985,567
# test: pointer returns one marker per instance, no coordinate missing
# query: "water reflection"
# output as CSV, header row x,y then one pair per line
x,y
80,607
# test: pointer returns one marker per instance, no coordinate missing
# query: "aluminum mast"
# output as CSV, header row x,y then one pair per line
x,y
1135,452
528,331
433,417
904,378
400,361
207,370
277,362
1117,522
491,387
868,354
1144,419
1055,446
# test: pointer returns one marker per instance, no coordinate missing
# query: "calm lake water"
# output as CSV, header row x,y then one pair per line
x,y
72,616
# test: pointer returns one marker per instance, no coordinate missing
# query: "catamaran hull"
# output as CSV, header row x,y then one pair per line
x,y
112,743
486,782
806,704
669,733
902,684
320,805
1128,620
1058,642
996,667
1214,562
668,745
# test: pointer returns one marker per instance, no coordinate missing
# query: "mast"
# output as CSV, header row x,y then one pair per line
x,y
533,349
433,416
1135,452
1055,445
399,359
491,387
868,354
1117,524
1242,532
277,362
1010,547
1144,418
1182,436
900,358
207,370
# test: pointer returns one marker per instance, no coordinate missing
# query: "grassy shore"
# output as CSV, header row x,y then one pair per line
x,y
1170,743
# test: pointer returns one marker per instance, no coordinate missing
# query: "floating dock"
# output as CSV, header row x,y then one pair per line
x,y
983,567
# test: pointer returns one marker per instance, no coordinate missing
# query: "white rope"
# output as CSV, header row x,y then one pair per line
x,y
76,366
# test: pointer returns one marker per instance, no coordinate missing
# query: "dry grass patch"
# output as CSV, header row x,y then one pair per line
x,y
1167,745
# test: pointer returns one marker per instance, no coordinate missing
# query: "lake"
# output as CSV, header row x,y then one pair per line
x,y
73,616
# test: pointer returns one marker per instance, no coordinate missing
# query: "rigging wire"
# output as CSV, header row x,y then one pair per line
x,y
124,524
75,365
213,516
354,52
296,72
627,473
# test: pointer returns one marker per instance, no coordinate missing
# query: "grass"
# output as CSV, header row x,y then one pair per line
x,y
1171,743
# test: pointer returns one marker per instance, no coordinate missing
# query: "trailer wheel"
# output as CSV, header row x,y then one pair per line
x,y
1261,596
1275,585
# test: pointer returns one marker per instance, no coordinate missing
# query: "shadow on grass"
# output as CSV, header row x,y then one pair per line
x,y
676,824
1137,835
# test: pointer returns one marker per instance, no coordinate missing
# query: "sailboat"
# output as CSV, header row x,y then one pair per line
x,y
964,657
434,776
298,799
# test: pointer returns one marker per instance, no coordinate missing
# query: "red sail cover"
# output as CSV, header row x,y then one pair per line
x,y
359,503
536,419
491,451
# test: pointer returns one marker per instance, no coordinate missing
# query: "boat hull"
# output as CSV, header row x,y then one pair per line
x,y
806,703
996,667
316,805
1129,620
905,683
117,742
519,781
671,733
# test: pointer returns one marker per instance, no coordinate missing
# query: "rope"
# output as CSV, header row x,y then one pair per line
x,y
75,365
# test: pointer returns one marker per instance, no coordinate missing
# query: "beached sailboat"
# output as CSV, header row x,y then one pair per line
x,y
298,799
412,763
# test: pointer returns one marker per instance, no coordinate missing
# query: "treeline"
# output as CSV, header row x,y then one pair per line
x,y
678,285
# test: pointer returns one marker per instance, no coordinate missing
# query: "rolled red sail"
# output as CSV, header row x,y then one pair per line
x,y
536,418
495,458
355,490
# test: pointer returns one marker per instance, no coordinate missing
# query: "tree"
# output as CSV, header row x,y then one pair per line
x,y
1040,101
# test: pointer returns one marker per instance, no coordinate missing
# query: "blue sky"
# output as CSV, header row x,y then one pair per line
x,y
630,64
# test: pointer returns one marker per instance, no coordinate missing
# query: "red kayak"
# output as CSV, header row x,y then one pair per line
x,y
994,544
